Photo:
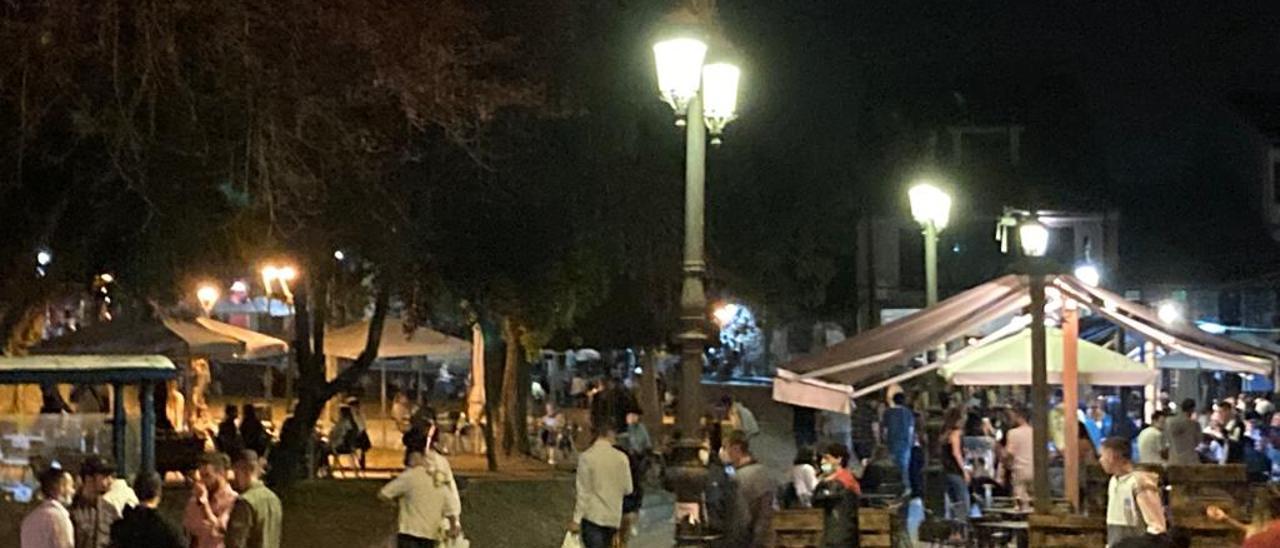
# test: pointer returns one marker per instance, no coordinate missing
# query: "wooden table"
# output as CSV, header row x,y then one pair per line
x,y
985,532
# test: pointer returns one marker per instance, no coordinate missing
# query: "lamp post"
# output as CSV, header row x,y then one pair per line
x,y
931,207
704,97
1034,239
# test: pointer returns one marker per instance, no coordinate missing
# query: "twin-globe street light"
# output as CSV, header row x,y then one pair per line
x,y
704,97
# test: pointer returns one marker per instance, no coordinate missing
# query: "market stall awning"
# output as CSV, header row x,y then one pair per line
x,y
76,369
875,351
827,377
1008,362
174,338
256,345
1179,337
348,342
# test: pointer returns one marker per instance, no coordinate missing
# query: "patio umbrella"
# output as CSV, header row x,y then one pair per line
x,y
1008,362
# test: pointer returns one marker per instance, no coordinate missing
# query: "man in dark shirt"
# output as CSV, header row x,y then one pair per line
x,y
142,525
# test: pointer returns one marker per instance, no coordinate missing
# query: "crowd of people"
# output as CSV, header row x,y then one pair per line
x,y
102,511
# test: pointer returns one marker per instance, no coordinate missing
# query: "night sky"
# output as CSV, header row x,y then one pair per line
x,y
1134,98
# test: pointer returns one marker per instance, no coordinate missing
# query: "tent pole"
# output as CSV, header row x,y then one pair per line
x,y
1039,394
118,426
148,428
1071,401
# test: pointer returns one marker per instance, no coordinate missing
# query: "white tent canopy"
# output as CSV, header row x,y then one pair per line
x,y
256,345
348,342
1008,362
872,354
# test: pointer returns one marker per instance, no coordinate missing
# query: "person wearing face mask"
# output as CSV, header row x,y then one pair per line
x,y
838,494
49,525
751,502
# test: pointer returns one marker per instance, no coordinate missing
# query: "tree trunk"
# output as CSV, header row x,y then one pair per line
x,y
510,414
290,460
493,354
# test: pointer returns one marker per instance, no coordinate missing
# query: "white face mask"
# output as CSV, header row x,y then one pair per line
x,y
828,468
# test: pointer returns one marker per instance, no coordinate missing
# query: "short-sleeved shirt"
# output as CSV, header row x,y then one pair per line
x,y
425,498
1269,537
256,519
899,426
1019,444
1183,436
48,526
1150,443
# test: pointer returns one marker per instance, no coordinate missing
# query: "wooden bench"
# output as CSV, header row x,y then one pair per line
x,y
1067,531
802,528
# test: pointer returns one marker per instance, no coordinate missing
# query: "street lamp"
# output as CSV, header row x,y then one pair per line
x,y
1088,273
281,274
208,296
931,207
1034,239
1169,313
703,98
726,313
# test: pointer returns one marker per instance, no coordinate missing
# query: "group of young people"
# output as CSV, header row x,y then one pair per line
x,y
102,511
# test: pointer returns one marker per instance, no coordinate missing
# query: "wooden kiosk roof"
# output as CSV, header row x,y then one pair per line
x,y
90,369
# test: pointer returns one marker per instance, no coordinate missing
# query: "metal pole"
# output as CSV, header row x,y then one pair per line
x,y
118,426
1070,401
930,264
693,300
1039,395
148,464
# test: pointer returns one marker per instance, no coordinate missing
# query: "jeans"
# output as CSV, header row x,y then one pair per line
x,y
902,458
596,536
958,490
410,541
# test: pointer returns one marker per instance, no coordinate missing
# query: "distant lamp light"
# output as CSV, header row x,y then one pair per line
x,y
1169,313
208,296
726,313
679,64
239,286
339,255
1212,327
269,274
287,273
719,97
1034,238
930,205
1088,273
106,278
44,257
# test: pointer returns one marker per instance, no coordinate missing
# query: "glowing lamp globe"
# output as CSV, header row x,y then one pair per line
x,y
679,63
719,97
930,205
1034,238
1169,313
1088,274
726,313
208,296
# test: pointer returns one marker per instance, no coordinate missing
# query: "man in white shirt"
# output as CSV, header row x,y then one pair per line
x,y
1134,510
1019,451
49,525
604,478
1151,444
426,498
